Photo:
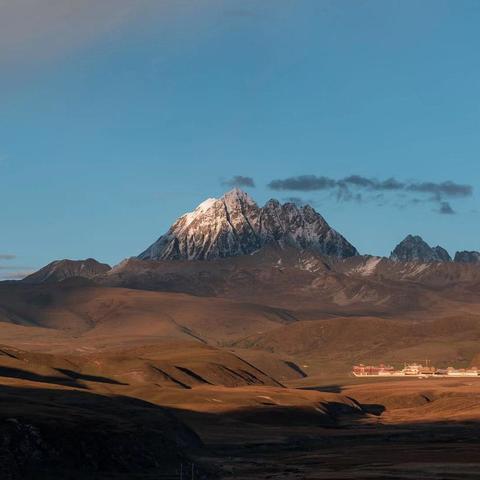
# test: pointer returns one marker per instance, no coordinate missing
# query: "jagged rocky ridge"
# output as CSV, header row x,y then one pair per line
x,y
415,249
235,225
467,257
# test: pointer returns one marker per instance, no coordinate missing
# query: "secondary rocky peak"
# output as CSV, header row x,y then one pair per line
x,y
442,254
235,225
273,203
60,270
467,257
414,249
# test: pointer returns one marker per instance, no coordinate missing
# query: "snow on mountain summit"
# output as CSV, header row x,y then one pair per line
x,y
235,225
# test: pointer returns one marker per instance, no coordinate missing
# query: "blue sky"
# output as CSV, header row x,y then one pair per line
x,y
116,119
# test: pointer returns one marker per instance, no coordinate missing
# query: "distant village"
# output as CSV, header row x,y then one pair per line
x,y
413,370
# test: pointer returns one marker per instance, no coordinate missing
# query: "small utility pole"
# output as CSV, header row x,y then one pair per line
x,y
193,471
181,471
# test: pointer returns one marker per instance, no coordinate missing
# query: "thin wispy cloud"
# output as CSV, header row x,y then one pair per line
x,y
13,267
12,272
240,13
356,188
35,30
15,275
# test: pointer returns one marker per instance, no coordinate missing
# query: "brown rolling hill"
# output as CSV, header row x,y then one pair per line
x,y
321,322
175,364
96,311
245,359
330,347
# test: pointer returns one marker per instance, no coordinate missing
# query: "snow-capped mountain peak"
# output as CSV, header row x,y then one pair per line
x,y
235,225
200,210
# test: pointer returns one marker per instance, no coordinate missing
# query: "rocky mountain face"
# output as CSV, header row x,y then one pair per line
x,y
288,278
245,241
235,225
467,257
442,254
60,270
415,249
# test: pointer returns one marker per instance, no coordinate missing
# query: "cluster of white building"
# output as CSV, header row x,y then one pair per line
x,y
412,370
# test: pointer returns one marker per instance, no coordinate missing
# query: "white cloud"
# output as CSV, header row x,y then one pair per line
x,y
13,272
15,275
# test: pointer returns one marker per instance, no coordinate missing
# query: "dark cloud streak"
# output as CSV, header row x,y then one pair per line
x,y
356,188
440,190
312,182
446,209
239,181
303,183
